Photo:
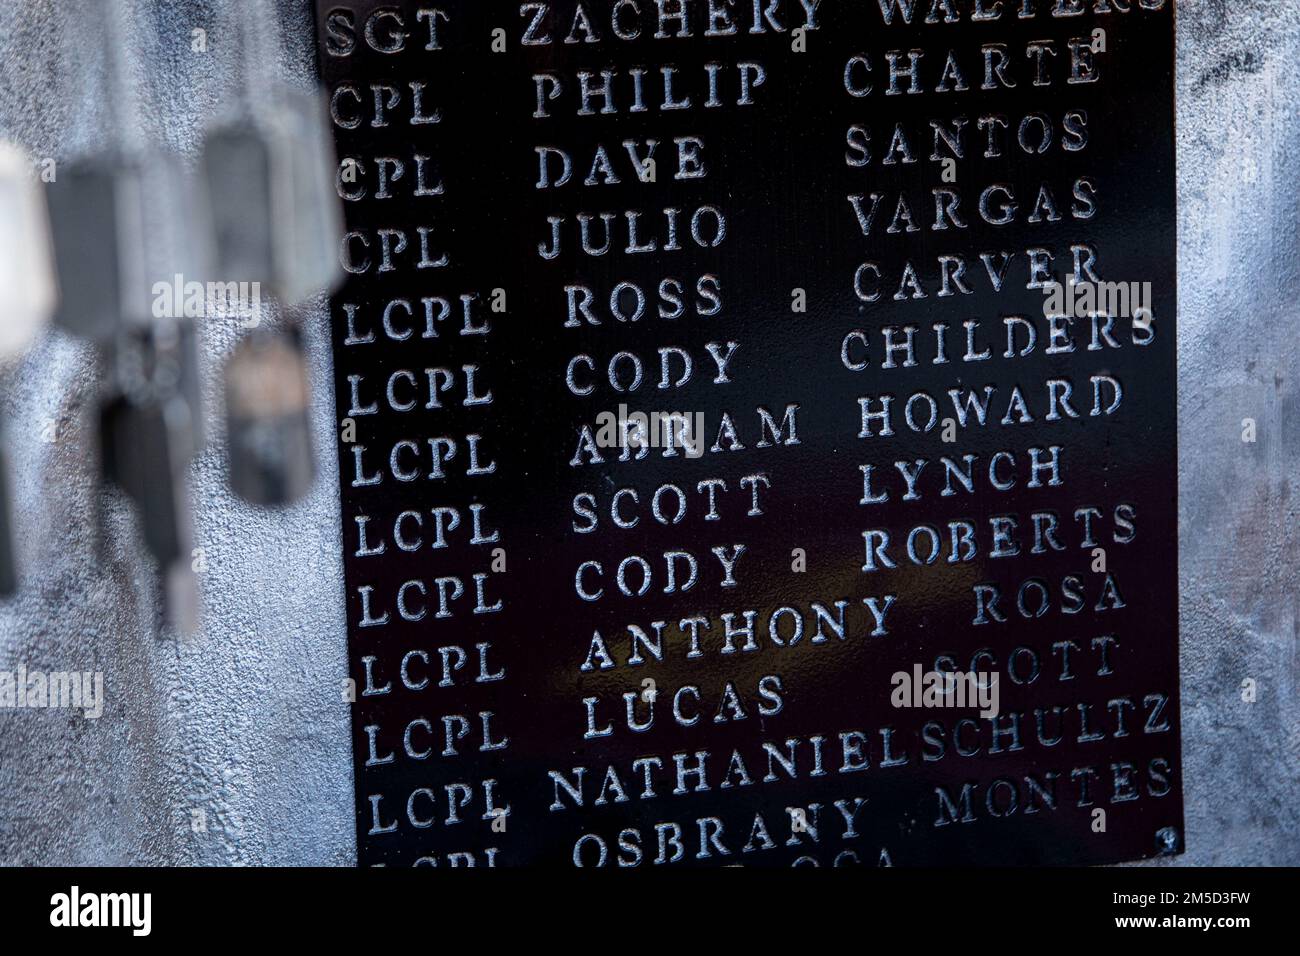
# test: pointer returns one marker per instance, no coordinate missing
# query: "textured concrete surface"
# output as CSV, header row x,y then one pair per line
x,y
244,722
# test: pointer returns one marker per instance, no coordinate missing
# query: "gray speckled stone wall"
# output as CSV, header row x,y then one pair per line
x,y
245,721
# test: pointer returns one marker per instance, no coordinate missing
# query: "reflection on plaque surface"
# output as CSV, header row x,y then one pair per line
x,y
757,430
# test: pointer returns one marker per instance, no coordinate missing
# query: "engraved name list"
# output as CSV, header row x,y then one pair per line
x,y
757,430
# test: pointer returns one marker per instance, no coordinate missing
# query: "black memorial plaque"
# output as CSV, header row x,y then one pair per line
x,y
905,272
